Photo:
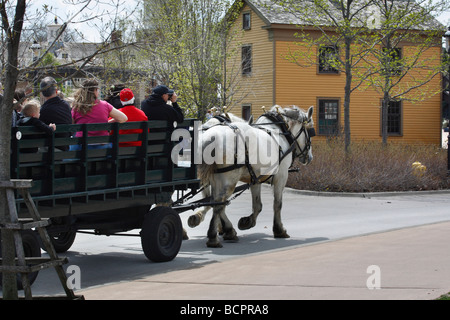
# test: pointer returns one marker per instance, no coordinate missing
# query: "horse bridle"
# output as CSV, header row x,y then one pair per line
x,y
294,146
309,133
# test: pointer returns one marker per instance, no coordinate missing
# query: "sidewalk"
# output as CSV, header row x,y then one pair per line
x,y
412,263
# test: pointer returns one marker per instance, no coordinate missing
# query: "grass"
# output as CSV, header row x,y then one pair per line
x,y
444,297
370,167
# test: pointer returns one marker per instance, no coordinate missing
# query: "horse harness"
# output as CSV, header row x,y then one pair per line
x,y
294,146
224,120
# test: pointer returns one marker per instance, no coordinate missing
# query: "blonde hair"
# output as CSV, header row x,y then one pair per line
x,y
84,98
31,108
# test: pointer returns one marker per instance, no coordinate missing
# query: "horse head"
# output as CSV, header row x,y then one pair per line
x,y
301,126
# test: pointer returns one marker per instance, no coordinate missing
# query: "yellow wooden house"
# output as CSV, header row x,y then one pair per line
x,y
262,40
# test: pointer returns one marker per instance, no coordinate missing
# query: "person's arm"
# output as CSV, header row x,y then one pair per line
x,y
178,112
48,129
117,116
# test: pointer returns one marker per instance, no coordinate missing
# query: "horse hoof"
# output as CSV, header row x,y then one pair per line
x,y
281,235
185,235
213,244
246,223
231,236
234,239
193,221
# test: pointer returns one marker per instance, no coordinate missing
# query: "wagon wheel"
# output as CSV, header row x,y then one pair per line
x,y
32,249
161,234
63,241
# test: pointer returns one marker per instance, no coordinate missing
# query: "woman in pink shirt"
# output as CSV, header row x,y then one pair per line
x,y
87,108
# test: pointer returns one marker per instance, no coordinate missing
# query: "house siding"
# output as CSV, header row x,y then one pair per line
x,y
303,86
256,89
278,81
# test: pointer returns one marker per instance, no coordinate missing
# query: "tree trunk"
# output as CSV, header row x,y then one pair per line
x,y
6,107
348,84
388,69
384,118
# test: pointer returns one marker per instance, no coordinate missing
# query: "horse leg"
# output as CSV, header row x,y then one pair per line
x,y
199,215
249,222
226,228
220,218
213,239
278,230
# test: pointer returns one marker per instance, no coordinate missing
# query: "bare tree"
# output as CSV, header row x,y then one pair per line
x,y
340,25
12,28
14,16
399,75
180,44
369,32
186,45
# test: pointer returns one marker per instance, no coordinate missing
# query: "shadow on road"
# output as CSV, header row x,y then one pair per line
x,y
129,262
247,244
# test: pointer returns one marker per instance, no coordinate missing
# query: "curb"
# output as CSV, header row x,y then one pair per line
x,y
361,194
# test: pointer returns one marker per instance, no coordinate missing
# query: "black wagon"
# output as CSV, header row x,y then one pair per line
x,y
107,184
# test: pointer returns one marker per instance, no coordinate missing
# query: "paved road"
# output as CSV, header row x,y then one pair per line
x,y
309,219
404,264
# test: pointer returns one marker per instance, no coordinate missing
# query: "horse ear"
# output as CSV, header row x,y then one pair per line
x,y
250,120
310,112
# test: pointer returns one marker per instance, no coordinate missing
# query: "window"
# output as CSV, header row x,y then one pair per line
x,y
68,85
392,65
247,60
246,112
328,116
394,122
328,58
246,21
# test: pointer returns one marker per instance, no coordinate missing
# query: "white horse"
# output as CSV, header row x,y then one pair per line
x,y
218,120
251,154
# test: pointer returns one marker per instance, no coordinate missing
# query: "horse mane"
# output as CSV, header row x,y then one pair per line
x,y
233,117
292,112
214,121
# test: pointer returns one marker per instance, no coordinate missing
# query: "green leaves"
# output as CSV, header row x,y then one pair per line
x,y
185,49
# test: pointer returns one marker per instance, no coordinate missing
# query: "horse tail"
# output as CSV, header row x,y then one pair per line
x,y
205,172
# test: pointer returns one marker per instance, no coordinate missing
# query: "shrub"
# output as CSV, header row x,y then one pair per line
x,y
371,167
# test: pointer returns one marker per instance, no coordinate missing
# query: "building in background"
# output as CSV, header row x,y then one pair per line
x,y
266,35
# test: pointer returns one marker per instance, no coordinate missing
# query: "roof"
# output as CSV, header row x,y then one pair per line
x,y
273,13
80,51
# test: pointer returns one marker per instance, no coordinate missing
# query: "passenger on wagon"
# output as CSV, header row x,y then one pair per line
x,y
54,109
134,114
156,107
19,101
31,112
113,97
87,108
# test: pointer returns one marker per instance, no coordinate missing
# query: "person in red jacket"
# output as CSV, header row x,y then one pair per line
x,y
133,114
